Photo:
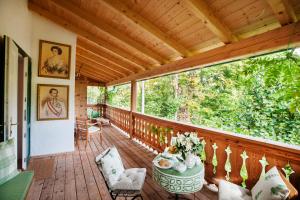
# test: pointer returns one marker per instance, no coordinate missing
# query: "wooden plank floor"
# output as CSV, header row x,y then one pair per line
x,y
76,176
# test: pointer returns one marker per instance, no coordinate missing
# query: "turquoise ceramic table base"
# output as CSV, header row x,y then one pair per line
x,y
188,182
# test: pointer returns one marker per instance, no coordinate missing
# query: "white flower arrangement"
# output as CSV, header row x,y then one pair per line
x,y
188,143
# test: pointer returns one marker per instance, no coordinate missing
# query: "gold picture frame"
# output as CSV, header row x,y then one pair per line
x,y
54,60
52,102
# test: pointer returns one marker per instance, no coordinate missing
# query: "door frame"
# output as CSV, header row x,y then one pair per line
x,y
2,87
28,108
2,90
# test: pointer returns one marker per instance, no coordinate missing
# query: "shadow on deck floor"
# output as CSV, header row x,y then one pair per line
x,y
75,175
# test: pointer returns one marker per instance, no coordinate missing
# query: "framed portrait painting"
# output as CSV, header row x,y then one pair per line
x,y
54,60
52,102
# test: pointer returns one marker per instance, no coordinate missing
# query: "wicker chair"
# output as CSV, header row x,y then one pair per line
x,y
84,129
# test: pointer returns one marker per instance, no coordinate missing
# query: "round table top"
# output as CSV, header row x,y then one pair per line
x,y
188,173
173,181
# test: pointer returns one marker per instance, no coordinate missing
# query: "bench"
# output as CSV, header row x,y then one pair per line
x,y
17,187
14,185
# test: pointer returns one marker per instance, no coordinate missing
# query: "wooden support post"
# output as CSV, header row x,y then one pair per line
x,y
143,97
104,103
132,106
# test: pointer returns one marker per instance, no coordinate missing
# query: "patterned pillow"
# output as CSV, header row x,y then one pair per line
x,y
271,187
112,166
231,191
8,161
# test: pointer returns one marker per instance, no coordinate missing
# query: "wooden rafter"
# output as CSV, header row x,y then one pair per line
x,y
98,76
97,22
43,12
110,65
202,10
269,41
85,72
127,64
93,77
88,68
147,26
283,10
96,69
98,66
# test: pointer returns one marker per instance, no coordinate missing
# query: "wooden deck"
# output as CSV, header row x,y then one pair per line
x,y
76,176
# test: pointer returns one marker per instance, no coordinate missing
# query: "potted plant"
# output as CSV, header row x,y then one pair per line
x,y
188,145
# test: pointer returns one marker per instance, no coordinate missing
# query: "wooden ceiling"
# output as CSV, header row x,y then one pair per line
x,y
121,40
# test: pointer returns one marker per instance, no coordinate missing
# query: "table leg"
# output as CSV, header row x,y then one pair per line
x,y
177,197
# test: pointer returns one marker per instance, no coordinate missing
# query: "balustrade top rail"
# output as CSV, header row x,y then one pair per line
x,y
157,132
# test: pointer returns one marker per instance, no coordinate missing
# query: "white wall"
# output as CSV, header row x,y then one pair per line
x,y
53,136
26,29
15,21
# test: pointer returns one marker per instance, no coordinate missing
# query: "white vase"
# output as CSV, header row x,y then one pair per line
x,y
197,160
180,167
190,160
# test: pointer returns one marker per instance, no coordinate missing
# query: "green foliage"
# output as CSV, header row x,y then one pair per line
x,y
95,94
159,98
92,114
259,96
119,96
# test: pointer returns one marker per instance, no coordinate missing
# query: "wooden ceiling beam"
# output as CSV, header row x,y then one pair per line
x,y
93,70
111,31
283,11
147,26
202,10
97,66
82,70
127,64
280,38
93,75
90,76
102,66
103,43
111,65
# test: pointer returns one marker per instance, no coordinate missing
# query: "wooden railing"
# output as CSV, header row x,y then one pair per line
x,y
96,107
156,133
119,117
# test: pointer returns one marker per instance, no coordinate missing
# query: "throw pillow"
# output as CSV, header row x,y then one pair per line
x,y
271,187
112,166
231,191
8,161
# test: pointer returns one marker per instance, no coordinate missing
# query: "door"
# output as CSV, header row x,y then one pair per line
x,y
11,90
24,114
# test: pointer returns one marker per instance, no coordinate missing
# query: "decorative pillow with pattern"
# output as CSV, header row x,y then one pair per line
x,y
8,161
271,187
112,166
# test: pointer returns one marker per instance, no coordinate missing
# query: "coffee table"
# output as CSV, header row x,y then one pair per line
x,y
188,182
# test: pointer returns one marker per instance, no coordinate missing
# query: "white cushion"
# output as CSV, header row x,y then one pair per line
x,y
93,129
101,155
112,166
103,120
116,176
131,179
270,187
231,191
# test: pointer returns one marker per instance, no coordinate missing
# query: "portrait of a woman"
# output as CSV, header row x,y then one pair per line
x,y
54,60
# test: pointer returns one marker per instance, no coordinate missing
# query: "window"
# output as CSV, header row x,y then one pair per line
x,y
257,96
119,96
95,94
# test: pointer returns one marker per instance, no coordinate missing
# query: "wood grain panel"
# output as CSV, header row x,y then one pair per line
x,y
270,41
